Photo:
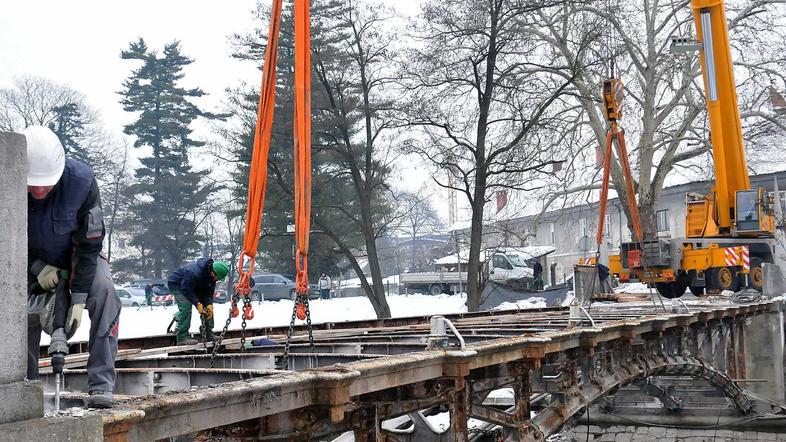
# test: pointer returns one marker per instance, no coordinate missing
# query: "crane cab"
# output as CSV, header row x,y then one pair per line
x,y
755,213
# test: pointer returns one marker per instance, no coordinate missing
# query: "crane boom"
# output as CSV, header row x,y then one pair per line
x,y
731,171
728,233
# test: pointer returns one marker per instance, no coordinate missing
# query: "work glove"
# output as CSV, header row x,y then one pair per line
x,y
209,311
48,277
74,316
200,308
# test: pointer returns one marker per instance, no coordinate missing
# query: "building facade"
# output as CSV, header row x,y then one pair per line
x,y
572,230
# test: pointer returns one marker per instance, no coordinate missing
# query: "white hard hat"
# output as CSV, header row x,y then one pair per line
x,y
45,156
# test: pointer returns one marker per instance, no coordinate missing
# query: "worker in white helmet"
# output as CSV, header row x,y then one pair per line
x,y
65,236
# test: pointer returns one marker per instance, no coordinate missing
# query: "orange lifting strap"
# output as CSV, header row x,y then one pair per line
x,y
613,95
615,132
257,183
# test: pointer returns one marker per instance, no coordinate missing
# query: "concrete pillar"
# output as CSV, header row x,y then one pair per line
x,y
764,354
21,399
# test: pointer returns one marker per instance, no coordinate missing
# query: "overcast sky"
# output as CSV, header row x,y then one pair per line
x,y
78,43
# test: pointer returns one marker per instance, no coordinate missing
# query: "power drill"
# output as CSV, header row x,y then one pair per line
x,y
58,346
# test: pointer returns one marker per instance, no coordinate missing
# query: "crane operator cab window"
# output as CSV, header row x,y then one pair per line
x,y
748,211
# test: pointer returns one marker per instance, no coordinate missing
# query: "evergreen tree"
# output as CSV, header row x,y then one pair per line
x,y
69,126
170,196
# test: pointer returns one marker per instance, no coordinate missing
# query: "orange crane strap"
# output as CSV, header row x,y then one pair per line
x,y
615,133
604,189
634,208
257,183
302,134
257,180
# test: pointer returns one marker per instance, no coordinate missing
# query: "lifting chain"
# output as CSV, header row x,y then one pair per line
x,y
300,299
217,344
246,309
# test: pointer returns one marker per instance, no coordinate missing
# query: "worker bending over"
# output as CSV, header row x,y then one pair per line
x,y
65,232
194,284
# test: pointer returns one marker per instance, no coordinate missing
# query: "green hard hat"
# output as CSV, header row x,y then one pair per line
x,y
220,269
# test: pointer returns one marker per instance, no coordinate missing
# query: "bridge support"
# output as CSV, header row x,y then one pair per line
x,y
764,339
21,399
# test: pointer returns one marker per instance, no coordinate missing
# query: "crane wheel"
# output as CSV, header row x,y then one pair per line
x,y
756,277
724,278
435,289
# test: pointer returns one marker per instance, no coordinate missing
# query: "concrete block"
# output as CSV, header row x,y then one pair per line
x,y
671,433
13,257
21,400
765,334
642,430
607,437
657,431
623,437
62,429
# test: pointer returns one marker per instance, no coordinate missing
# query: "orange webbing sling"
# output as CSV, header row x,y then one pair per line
x,y
258,174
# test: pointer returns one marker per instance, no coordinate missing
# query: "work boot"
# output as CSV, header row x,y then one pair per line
x,y
189,341
99,399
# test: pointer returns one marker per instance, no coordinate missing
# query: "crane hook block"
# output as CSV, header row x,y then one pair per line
x,y
613,94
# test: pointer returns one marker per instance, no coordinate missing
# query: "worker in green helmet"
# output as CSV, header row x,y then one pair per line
x,y
194,285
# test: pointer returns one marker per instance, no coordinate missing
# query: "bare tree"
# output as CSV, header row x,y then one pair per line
x,y
418,217
34,100
115,178
665,118
352,66
483,102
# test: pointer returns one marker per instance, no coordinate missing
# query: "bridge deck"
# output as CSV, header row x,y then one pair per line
x,y
364,372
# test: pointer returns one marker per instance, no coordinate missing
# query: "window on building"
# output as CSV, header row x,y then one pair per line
x,y
552,234
662,220
582,227
607,226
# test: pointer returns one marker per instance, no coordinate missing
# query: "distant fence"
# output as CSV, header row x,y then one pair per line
x,y
342,291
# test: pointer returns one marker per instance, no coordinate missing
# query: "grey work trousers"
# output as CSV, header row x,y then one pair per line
x,y
103,306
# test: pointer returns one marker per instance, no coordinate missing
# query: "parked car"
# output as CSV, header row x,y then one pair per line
x,y
220,296
131,296
313,291
141,283
272,286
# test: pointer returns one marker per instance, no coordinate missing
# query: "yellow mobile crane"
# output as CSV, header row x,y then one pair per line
x,y
728,232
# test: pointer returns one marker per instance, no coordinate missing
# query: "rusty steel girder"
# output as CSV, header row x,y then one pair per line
x,y
573,367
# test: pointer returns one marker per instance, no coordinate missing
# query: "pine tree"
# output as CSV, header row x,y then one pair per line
x,y
170,195
69,126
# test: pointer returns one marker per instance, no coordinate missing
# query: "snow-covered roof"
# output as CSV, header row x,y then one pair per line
x,y
451,259
529,252
526,252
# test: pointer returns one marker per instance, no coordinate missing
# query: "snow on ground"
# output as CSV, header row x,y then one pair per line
x,y
528,303
633,288
355,282
145,322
